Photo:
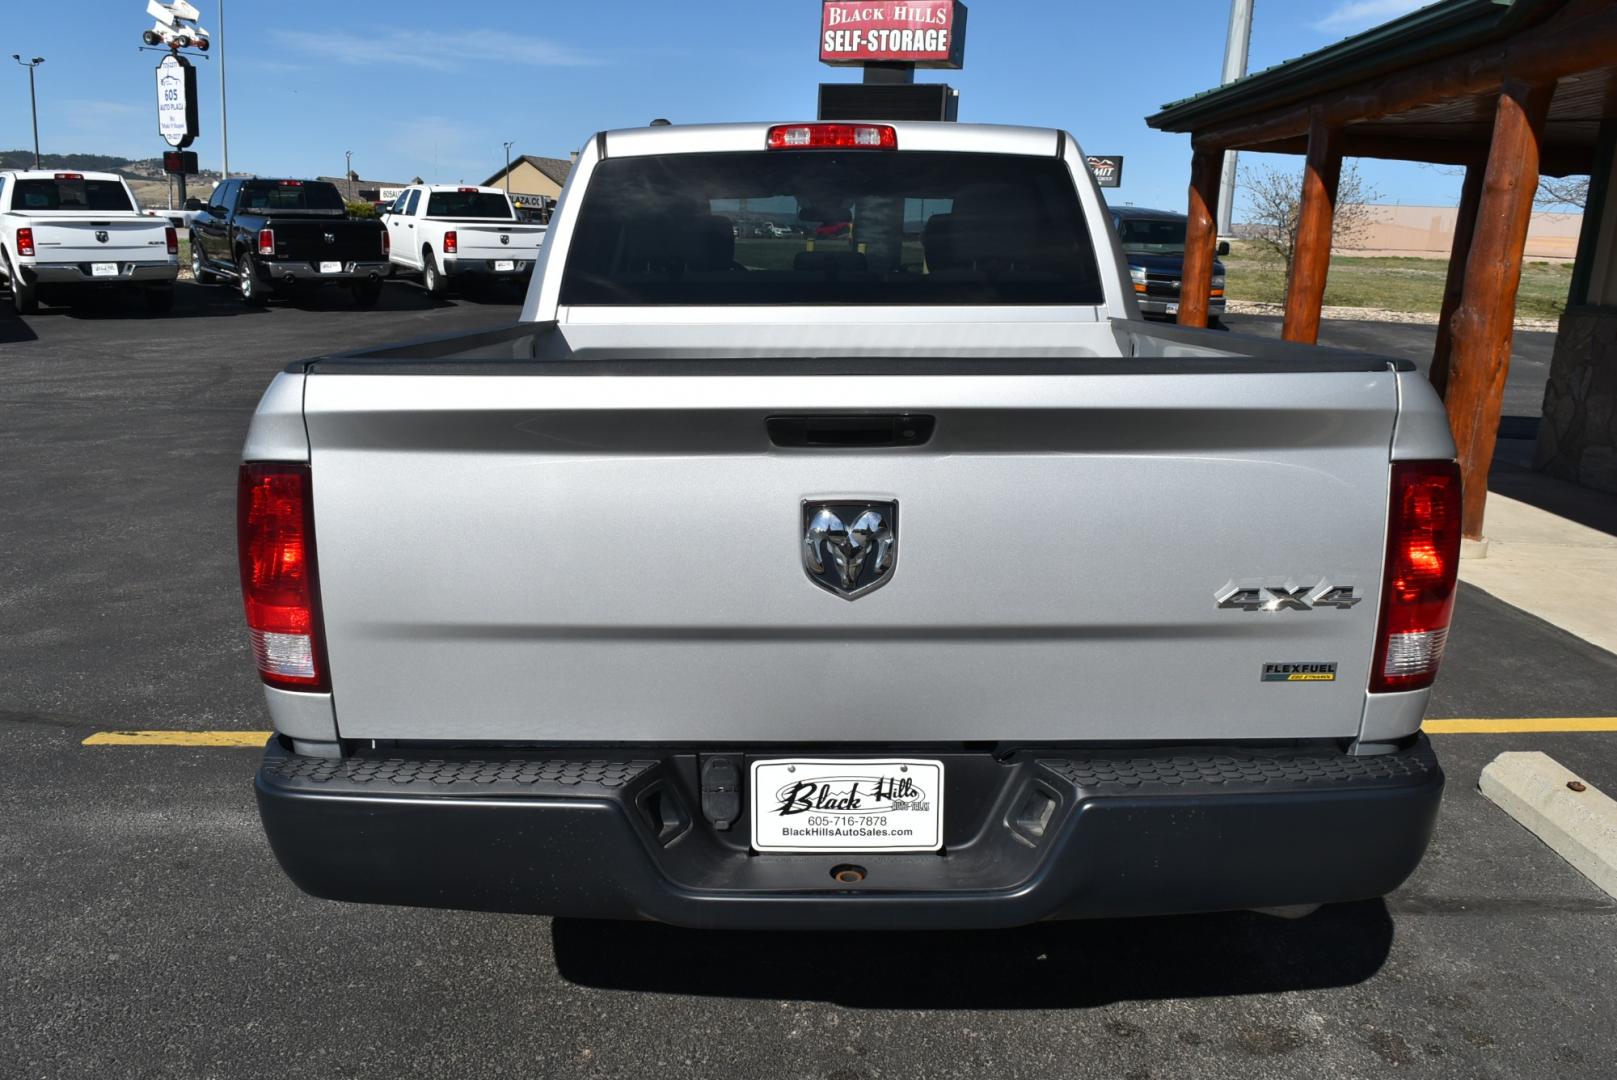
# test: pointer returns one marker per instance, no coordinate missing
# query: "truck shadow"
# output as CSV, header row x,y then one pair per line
x,y
1071,965
12,327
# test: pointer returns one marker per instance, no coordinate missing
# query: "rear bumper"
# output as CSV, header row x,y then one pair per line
x,y
308,273
587,834
1157,306
520,267
79,274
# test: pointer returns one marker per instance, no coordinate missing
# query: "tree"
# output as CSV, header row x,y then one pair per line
x,y
1570,191
1275,197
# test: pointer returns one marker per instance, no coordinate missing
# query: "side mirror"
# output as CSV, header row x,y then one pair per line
x,y
1223,247
193,204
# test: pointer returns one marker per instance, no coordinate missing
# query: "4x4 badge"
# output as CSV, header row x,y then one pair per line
x,y
1287,597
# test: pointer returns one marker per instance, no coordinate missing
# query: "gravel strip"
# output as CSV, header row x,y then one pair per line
x,y
1369,314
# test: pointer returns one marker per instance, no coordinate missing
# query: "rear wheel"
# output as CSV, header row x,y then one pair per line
x,y
433,279
199,269
367,292
252,290
24,293
159,299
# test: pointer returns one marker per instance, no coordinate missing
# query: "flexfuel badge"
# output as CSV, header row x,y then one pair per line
x,y
1320,672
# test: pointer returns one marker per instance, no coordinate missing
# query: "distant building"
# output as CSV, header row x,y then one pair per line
x,y
365,190
538,177
1429,231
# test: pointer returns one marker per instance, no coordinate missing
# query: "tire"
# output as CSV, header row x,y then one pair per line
x,y
199,272
159,299
252,291
366,293
24,294
431,277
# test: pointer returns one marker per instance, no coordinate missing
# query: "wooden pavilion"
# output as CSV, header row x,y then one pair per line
x,y
1508,89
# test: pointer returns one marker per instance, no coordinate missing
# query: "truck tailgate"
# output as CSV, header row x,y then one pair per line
x,y
577,557
481,240
337,239
63,239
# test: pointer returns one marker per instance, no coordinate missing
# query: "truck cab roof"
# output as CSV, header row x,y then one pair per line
x,y
1143,213
910,135
57,174
457,187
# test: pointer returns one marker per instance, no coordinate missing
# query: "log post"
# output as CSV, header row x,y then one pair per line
x,y
1482,327
1465,223
1201,237
1316,217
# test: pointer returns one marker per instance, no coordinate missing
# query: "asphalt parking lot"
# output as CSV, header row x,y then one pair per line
x,y
148,931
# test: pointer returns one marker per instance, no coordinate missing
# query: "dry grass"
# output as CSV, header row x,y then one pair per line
x,y
1394,284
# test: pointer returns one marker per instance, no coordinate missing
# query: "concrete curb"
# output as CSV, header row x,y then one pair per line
x,y
1578,825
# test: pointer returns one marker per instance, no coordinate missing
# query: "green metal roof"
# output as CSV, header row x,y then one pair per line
x,y
1446,27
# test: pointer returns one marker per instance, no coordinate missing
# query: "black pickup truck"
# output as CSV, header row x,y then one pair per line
x,y
268,235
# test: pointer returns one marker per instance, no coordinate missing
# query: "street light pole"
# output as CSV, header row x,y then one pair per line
x,y
507,170
33,103
224,124
348,173
1236,48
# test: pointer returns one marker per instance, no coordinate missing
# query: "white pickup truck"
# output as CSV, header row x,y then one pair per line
x,y
889,574
63,234
450,233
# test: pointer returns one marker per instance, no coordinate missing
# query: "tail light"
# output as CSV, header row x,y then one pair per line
x,y
832,137
387,244
172,237
451,243
1423,561
25,241
275,544
266,241
69,176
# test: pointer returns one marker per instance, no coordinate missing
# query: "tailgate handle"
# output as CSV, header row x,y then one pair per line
x,y
831,430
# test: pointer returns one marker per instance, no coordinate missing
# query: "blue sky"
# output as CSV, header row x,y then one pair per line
x,y
412,92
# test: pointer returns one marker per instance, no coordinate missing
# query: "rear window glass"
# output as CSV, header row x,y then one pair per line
x,y
42,194
468,204
271,196
1154,236
831,227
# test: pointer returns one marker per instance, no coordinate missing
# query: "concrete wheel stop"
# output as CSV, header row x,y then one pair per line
x,y
1572,816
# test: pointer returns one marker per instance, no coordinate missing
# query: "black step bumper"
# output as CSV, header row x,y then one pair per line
x,y
1030,835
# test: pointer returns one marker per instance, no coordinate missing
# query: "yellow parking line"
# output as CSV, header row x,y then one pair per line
x,y
178,738
1506,726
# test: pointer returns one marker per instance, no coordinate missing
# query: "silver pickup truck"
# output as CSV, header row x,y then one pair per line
x,y
882,568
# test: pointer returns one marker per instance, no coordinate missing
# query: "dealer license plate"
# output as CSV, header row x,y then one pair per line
x,y
504,265
1173,309
837,804
331,268
103,269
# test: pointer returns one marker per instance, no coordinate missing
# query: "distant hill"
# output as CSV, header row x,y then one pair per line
x,y
133,169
